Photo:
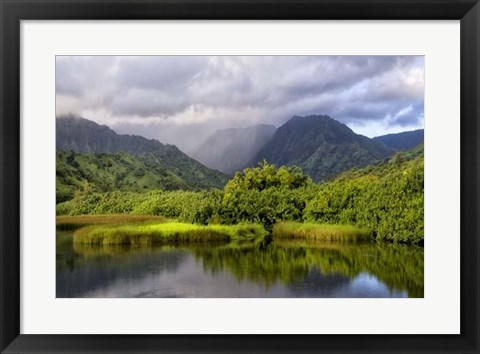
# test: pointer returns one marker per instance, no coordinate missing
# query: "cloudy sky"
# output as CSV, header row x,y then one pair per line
x,y
183,99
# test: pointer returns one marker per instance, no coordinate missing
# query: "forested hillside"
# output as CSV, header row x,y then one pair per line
x,y
321,146
89,154
78,173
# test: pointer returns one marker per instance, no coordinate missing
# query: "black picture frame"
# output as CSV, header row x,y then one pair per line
x,y
14,11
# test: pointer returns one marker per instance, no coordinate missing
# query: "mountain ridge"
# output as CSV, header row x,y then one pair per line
x,y
173,168
85,136
321,146
402,141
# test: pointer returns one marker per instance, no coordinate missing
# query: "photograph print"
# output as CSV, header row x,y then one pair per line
x,y
239,176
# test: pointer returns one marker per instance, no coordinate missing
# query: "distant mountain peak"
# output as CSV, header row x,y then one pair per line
x,y
82,120
321,146
318,121
312,118
402,141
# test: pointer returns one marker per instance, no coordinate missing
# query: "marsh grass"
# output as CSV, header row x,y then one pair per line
x,y
323,232
76,222
165,233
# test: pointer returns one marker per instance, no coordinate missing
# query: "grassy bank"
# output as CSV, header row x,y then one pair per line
x,y
65,222
155,233
325,232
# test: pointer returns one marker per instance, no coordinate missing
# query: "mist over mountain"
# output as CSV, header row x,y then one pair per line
x,y
148,163
230,150
402,141
321,146
85,136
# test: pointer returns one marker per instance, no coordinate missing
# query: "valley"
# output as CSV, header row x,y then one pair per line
x,y
311,194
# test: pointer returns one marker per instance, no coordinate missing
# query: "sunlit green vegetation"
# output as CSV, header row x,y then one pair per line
x,y
66,222
196,207
165,233
385,199
80,174
324,232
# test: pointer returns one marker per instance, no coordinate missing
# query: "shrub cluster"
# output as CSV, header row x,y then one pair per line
x,y
386,199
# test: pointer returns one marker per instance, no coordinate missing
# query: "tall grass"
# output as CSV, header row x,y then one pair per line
x,y
79,221
165,233
324,232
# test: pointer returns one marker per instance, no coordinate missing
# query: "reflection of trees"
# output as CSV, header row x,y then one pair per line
x,y
65,257
81,269
267,265
399,267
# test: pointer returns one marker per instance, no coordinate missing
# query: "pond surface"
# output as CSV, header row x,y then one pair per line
x,y
279,269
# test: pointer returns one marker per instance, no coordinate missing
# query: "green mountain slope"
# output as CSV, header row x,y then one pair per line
x,y
384,168
402,141
84,173
230,150
109,161
321,146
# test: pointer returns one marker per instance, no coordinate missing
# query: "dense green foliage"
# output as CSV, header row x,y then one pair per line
x,y
265,194
86,173
267,176
67,222
386,199
197,207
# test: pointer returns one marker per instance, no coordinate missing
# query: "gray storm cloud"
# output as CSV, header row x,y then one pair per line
x,y
183,99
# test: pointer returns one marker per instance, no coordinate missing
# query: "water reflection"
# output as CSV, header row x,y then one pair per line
x,y
278,269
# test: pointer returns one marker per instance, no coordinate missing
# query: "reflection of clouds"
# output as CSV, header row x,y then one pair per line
x,y
316,284
150,95
366,285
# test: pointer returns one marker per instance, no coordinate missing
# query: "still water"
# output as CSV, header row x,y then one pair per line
x,y
278,269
